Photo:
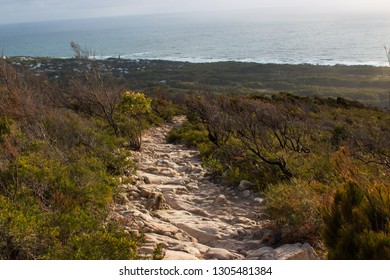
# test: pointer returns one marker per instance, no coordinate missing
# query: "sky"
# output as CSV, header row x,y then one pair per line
x,y
15,11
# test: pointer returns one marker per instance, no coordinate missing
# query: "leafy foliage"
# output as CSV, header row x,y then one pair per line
x,y
59,168
133,110
357,223
295,210
292,149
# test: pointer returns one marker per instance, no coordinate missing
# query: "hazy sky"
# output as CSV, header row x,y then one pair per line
x,y
12,11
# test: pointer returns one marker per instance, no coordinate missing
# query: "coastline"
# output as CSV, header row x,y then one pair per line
x,y
199,60
367,84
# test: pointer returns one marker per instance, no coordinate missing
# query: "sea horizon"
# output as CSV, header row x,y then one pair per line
x,y
204,38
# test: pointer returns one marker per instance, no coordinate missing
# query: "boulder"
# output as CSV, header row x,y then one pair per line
x,y
201,236
264,253
145,193
245,185
246,193
260,200
221,200
295,251
186,248
178,255
226,244
172,188
219,254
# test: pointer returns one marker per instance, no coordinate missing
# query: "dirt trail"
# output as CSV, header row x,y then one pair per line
x,y
175,204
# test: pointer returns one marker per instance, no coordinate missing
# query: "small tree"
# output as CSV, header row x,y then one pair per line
x,y
213,112
271,132
133,109
98,95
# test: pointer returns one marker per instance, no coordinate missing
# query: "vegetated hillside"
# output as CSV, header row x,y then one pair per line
x,y
63,152
367,84
323,164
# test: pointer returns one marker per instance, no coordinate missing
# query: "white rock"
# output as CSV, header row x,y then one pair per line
x,y
221,200
259,200
295,251
200,235
245,185
219,254
227,245
145,193
172,188
264,253
246,193
187,249
178,255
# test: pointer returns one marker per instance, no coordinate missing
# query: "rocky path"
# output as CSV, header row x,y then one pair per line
x,y
176,205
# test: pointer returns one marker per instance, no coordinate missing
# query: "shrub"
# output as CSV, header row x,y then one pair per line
x,y
133,111
22,230
340,133
103,244
165,108
189,134
213,165
58,173
357,225
174,136
294,209
194,137
4,128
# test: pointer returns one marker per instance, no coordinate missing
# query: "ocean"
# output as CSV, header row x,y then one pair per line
x,y
209,37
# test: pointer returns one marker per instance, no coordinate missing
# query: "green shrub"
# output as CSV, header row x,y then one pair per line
x,y
59,171
174,136
194,137
100,245
294,209
165,108
357,225
57,205
213,165
340,133
188,134
4,128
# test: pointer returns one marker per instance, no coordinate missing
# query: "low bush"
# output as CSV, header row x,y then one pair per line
x,y
357,225
189,134
295,210
357,222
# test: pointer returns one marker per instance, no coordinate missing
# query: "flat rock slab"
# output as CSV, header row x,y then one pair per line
x,y
172,188
296,251
178,255
220,254
153,178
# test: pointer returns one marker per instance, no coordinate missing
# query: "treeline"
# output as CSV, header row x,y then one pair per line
x,y
323,165
64,148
